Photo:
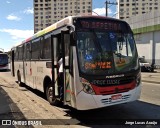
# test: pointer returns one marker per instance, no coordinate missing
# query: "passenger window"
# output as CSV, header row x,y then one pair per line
x,y
36,49
46,52
28,51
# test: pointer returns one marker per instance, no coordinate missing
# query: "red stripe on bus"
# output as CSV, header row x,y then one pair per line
x,y
114,89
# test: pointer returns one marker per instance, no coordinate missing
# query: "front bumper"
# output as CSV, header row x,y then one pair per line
x,y
86,101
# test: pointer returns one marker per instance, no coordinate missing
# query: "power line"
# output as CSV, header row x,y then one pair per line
x,y
96,13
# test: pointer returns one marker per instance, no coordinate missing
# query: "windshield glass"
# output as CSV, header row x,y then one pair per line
x,y
3,59
105,52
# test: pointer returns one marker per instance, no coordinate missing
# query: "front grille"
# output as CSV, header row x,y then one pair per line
x,y
115,91
110,101
127,80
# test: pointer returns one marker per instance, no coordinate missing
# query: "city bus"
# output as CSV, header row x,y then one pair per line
x,y
3,61
99,58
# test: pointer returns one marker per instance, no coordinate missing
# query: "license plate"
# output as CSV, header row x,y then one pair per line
x,y
116,97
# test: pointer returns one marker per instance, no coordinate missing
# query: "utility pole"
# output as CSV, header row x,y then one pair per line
x,y
107,3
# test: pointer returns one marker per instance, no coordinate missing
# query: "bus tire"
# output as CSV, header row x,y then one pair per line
x,y
52,101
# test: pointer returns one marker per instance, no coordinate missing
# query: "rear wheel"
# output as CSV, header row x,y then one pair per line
x,y
49,94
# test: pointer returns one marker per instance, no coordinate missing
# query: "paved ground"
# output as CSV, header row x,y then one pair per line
x,y
9,110
23,103
151,77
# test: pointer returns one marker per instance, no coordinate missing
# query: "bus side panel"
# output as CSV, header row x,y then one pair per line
x,y
28,73
33,73
39,73
21,69
16,68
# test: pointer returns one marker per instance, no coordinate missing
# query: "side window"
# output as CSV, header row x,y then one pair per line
x,y
67,42
58,47
28,51
46,52
20,52
35,46
25,51
15,53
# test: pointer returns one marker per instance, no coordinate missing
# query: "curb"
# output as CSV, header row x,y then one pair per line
x,y
155,82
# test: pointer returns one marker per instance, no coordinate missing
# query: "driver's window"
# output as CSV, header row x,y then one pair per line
x,y
123,46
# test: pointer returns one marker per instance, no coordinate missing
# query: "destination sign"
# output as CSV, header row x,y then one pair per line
x,y
96,65
107,25
103,24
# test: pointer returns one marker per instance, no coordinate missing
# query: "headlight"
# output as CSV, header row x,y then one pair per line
x,y
87,88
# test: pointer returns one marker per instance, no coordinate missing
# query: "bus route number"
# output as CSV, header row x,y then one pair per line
x,y
101,65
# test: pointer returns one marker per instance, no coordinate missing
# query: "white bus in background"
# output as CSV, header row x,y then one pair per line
x,y
102,68
4,64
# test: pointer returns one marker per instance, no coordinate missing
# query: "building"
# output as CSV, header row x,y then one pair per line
x,y
47,12
146,29
128,8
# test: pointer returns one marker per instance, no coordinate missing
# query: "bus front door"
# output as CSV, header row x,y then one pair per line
x,y
69,97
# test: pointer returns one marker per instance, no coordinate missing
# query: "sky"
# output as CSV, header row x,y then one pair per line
x,y
17,24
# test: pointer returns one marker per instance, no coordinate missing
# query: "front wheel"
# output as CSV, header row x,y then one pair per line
x,y
49,94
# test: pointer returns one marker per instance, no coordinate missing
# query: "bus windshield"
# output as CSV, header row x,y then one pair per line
x,y
3,59
102,52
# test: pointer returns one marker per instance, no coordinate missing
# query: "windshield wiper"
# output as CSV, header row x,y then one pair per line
x,y
119,55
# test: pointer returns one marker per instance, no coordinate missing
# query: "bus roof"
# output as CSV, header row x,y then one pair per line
x,y
65,21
